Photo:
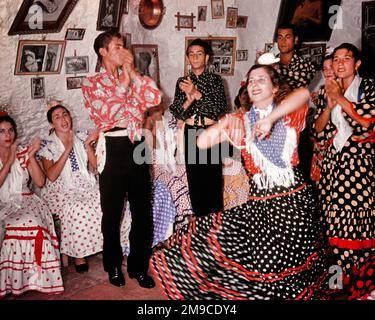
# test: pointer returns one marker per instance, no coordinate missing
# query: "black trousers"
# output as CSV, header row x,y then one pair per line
x,y
204,174
122,178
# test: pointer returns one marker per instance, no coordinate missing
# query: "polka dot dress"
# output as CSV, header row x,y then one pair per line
x,y
76,203
346,185
268,248
29,257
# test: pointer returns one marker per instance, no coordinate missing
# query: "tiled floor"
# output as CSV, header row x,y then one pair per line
x,y
94,285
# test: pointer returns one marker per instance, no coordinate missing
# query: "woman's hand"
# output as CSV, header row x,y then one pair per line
x,y
91,138
234,128
334,89
34,147
263,128
12,153
68,143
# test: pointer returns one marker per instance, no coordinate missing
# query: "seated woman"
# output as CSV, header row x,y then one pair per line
x,y
268,247
71,190
29,258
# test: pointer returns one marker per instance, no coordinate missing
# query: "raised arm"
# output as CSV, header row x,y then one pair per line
x,y
4,171
34,168
53,169
294,101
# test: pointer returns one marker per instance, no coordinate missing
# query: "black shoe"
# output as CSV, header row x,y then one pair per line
x,y
81,268
144,280
116,277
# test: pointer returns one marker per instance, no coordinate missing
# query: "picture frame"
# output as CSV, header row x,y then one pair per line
x,y
242,21
232,14
37,57
224,54
75,34
74,82
242,55
185,21
35,17
76,64
217,9
109,15
146,60
313,18
128,40
202,13
313,51
37,88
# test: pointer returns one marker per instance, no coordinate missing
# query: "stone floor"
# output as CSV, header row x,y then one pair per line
x,y
94,285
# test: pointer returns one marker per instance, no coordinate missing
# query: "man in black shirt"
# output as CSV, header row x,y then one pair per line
x,y
199,101
297,72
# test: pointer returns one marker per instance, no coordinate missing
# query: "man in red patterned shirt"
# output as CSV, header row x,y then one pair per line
x,y
117,99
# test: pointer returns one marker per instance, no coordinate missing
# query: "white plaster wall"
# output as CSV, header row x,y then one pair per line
x,y
30,114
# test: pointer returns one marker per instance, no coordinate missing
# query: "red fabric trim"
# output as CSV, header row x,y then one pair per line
x,y
279,194
357,116
31,229
3,293
21,270
370,138
28,194
352,244
23,263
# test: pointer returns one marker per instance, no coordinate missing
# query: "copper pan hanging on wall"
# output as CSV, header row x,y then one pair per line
x,y
150,13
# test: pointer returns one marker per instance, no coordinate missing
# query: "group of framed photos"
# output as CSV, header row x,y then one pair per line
x,y
233,20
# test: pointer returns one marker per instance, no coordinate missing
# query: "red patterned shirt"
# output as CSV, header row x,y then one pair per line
x,y
111,104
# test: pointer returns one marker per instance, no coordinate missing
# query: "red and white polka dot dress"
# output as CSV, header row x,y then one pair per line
x,y
29,257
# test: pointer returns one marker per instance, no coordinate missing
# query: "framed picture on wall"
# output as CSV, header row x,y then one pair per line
x,y
242,21
217,9
232,14
314,19
37,88
36,57
202,13
224,54
41,16
109,15
74,34
146,60
241,55
76,64
313,51
74,82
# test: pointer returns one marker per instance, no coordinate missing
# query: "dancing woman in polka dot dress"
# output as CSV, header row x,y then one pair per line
x,y
271,246
71,190
345,123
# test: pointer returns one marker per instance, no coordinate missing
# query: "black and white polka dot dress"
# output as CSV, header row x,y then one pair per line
x,y
346,184
270,247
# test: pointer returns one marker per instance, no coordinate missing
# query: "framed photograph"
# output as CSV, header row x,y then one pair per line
x,y
185,22
242,21
202,13
241,55
74,34
37,88
313,18
39,57
125,6
41,16
109,15
128,40
232,14
217,9
313,51
76,64
74,82
224,54
146,58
